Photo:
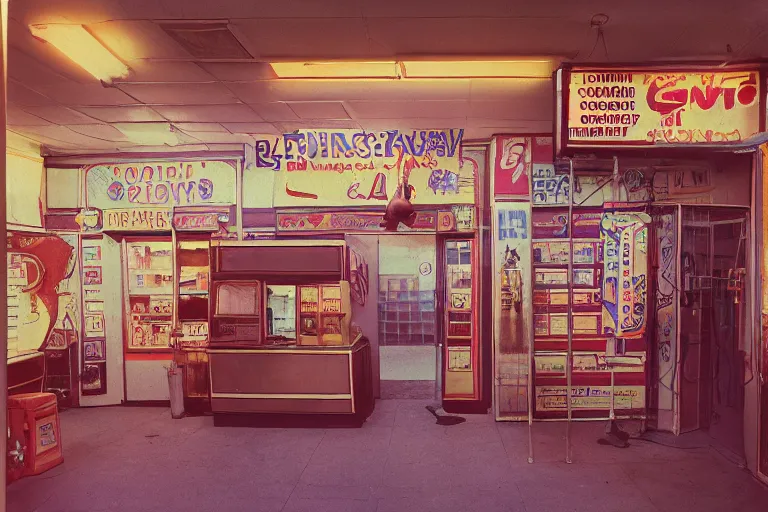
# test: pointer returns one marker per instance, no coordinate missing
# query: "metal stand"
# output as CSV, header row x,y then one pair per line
x,y
569,355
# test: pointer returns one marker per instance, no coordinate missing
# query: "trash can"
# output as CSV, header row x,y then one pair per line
x,y
176,391
34,435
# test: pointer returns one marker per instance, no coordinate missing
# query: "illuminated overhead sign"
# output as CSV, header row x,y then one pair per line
x,y
656,107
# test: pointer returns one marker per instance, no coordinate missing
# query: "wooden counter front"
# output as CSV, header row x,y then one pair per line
x,y
329,380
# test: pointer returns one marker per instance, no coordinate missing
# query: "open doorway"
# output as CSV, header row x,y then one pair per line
x,y
712,330
407,316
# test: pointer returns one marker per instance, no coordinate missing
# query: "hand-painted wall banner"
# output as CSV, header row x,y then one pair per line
x,y
348,221
160,184
457,219
512,307
625,276
137,219
352,167
647,107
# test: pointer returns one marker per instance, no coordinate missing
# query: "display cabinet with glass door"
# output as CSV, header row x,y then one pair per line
x,y
461,353
193,269
150,295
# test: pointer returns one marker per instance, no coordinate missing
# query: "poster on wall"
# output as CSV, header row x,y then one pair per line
x,y
358,168
512,171
94,351
513,307
625,273
160,184
37,265
654,107
517,160
666,307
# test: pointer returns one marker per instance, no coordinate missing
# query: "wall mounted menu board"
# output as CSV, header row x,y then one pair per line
x,y
653,107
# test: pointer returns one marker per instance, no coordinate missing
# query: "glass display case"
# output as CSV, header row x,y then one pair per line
x,y
150,294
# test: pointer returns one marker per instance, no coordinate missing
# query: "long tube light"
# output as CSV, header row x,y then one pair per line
x,y
434,68
83,49
338,69
501,68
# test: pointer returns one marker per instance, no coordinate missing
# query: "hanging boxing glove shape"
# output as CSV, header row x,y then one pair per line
x,y
400,208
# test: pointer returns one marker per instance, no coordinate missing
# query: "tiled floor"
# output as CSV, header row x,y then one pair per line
x,y
138,459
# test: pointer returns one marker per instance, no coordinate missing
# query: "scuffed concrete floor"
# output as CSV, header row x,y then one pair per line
x,y
139,459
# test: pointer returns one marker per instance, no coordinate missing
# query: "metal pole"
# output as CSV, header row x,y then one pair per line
x,y
569,354
3,297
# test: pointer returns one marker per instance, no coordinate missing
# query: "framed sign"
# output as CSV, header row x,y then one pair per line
x,y
654,107
160,184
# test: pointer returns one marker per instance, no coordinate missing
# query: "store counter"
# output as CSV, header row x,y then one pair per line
x,y
298,380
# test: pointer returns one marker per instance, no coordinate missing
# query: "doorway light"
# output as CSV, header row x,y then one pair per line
x,y
337,69
501,68
83,49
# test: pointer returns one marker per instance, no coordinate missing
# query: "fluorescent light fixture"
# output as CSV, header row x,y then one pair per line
x,y
337,69
81,47
491,68
150,134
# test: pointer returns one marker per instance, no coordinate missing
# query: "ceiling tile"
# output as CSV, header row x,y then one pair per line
x,y
405,35
25,69
531,90
203,9
65,11
133,39
306,38
61,115
239,71
145,9
518,108
129,114
201,127
250,127
85,95
99,131
143,70
319,109
408,109
22,96
63,134
276,111
175,94
223,138
208,113
18,117
347,90
316,123
413,124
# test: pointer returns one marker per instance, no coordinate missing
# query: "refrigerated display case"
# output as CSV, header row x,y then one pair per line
x,y
149,309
